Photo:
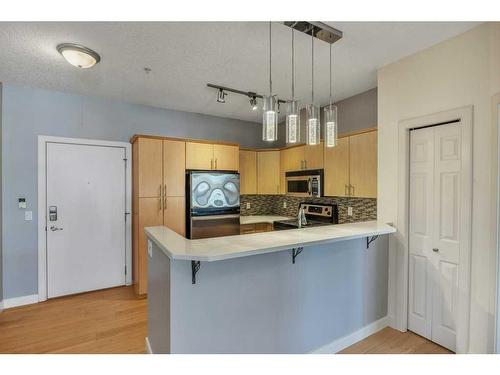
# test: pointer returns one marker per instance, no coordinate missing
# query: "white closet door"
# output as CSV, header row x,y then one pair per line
x,y
446,244
434,233
421,231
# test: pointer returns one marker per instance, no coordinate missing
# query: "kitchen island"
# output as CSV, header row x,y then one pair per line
x,y
294,291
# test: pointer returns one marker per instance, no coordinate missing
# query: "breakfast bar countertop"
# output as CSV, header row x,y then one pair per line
x,y
254,219
177,247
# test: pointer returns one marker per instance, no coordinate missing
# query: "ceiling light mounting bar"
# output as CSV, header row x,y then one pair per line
x,y
249,94
319,30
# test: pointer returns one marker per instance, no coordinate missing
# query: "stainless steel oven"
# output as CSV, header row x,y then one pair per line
x,y
307,183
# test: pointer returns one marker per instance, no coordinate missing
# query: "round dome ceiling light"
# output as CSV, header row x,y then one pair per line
x,y
79,56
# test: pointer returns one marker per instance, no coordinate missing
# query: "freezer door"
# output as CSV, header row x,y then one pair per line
x,y
214,226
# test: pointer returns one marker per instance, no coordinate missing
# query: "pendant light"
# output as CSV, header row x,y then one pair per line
x,y
313,114
330,111
269,109
292,110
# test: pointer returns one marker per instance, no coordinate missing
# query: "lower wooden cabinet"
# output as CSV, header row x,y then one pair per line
x,y
174,214
255,228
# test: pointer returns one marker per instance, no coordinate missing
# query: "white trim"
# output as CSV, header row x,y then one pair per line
x,y
400,244
20,301
42,249
148,346
496,190
348,340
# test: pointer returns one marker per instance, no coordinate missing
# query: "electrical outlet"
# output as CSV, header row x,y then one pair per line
x,y
349,211
150,249
284,204
248,205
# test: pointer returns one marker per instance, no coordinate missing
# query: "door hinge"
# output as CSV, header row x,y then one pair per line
x,y
126,213
125,269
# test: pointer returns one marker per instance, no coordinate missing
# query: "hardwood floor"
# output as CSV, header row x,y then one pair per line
x,y
107,321
391,341
115,321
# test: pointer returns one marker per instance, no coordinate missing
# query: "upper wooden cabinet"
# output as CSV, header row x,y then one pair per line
x,y
248,172
226,157
174,168
313,156
268,172
148,181
207,156
337,169
351,166
293,158
199,155
363,165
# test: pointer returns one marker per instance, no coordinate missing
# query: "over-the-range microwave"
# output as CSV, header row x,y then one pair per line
x,y
307,183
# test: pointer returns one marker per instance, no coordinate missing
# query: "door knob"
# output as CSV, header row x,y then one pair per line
x,y
53,228
435,249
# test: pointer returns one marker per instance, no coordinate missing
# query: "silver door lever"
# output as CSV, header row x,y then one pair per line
x,y
53,228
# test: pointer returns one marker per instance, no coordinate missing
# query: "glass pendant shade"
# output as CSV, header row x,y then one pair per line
x,y
292,122
269,119
330,135
313,125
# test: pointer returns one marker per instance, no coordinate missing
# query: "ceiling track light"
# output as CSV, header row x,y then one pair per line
x,y
253,101
248,94
78,55
221,96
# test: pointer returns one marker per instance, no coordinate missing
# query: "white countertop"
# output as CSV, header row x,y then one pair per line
x,y
219,248
253,219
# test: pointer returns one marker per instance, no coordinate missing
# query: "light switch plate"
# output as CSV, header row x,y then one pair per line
x,y
150,249
28,215
349,211
248,205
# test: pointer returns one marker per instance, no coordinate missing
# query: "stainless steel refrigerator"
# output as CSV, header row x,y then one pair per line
x,y
213,204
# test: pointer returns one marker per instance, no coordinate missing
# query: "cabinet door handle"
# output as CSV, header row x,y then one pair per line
x,y
165,202
160,199
305,164
346,193
211,163
351,194
215,163
435,249
165,190
277,189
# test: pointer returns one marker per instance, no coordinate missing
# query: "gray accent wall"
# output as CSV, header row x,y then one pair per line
x,y
28,112
1,199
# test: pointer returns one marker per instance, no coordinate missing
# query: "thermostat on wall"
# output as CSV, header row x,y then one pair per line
x,y
21,202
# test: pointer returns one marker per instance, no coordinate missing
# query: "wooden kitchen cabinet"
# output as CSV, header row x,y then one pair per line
x,y
174,214
336,171
313,156
208,156
363,164
268,172
248,172
174,168
199,156
293,158
226,157
149,180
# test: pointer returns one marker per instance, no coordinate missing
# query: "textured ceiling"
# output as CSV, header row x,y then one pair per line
x,y
185,56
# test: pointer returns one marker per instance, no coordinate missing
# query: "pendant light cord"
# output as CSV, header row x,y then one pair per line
x,y
330,76
312,65
293,68
270,62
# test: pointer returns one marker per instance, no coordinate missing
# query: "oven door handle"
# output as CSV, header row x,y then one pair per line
x,y
214,217
309,182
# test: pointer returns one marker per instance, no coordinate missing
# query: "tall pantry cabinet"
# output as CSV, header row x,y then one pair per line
x,y
158,172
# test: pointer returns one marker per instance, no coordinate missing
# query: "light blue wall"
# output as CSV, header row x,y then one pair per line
x,y
29,112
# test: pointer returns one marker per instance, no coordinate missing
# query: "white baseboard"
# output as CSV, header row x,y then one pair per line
x,y
352,338
148,346
20,301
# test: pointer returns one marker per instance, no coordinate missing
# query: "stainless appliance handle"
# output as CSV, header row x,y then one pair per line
x,y
214,217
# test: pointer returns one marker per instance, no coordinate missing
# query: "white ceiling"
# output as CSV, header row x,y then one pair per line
x,y
185,56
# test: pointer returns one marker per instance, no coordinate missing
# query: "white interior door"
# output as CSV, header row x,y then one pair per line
x,y
86,243
435,205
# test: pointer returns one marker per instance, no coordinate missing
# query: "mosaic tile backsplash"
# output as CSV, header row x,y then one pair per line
x,y
363,208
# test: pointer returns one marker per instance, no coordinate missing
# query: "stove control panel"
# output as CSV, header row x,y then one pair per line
x,y
317,209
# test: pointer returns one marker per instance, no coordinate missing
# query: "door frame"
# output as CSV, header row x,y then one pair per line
x,y
42,199
495,111
400,242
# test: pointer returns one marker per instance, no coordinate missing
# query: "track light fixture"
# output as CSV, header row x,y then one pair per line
x,y
221,96
253,102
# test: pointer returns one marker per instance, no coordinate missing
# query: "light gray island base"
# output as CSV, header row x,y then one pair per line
x,y
264,303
